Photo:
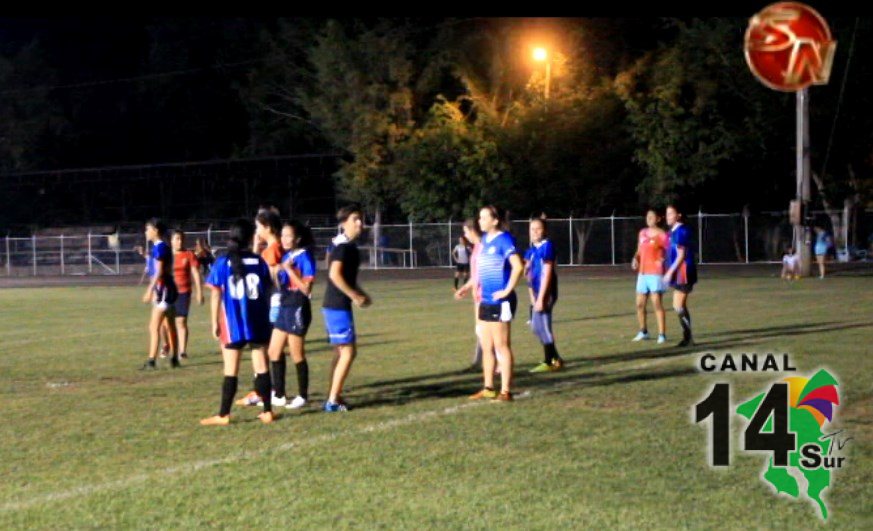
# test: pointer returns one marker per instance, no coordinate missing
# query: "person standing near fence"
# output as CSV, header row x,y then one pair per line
x,y
823,244
186,272
543,292
204,256
499,268
342,291
649,260
461,257
682,272
240,308
473,234
162,293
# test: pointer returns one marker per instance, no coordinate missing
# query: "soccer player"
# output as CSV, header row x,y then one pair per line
x,y
682,272
473,235
162,292
240,282
823,243
461,256
185,269
499,268
543,292
296,277
268,227
649,260
343,291
790,265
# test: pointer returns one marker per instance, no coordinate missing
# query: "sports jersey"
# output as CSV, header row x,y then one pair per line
x,y
494,268
244,316
686,273
347,253
538,255
303,264
183,261
474,273
161,253
653,245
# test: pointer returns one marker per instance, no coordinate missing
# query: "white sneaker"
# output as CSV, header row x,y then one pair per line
x,y
297,403
641,336
662,338
278,401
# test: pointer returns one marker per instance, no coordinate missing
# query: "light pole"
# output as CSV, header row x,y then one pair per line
x,y
542,55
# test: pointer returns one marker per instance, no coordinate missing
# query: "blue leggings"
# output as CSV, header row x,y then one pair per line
x,y
541,325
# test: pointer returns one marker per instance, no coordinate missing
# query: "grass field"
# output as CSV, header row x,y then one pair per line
x,y
90,441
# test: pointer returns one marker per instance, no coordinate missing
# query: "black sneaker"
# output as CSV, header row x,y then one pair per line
x,y
174,361
686,342
149,365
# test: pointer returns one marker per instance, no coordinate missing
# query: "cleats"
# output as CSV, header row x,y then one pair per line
x,y
251,399
334,407
297,403
542,367
662,338
641,336
267,417
216,420
504,396
484,393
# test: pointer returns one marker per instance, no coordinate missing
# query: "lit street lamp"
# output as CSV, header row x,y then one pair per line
x,y
542,55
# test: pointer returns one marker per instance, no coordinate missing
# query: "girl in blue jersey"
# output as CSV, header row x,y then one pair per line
x,y
500,269
682,271
240,282
162,293
295,277
543,291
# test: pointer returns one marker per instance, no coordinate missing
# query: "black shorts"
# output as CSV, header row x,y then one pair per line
x,y
684,288
462,268
239,345
182,304
498,313
295,319
165,295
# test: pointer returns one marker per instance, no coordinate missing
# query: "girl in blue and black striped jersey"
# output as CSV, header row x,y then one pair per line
x,y
682,271
500,268
161,292
295,277
543,290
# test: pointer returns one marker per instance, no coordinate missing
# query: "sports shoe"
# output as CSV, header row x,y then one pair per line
x,y
165,351
216,420
266,417
542,367
504,396
685,342
278,401
184,355
297,403
333,407
174,361
251,399
641,336
149,365
484,393
662,338
557,364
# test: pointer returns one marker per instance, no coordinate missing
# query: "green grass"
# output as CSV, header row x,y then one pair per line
x,y
89,441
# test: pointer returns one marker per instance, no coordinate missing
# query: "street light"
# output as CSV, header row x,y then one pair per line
x,y
542,55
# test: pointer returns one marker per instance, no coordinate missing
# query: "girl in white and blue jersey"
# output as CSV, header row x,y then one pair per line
x,y
500,268
543,291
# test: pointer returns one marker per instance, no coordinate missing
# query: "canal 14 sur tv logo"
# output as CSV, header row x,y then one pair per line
x,y
790,420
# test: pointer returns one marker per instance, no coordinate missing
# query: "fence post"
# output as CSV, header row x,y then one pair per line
x,y
571,239
8,258
62,255
411,260
117,263
209,235
746,223
699,236
450,242
612,232
33,248
90,259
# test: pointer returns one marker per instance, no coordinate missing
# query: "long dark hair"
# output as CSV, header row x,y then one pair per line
x,y
239,238
271,220
159,226
499,214
302,233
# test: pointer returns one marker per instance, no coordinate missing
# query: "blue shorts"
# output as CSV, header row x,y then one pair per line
x,y
340,326
183,304
650,284
295,319
821,250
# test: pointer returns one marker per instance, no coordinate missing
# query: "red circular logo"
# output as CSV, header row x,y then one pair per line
x,y
788,46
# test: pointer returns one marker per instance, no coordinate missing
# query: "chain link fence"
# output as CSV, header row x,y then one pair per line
x,y
717,238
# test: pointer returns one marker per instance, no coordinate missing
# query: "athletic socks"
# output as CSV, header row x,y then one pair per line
x,y
685,321
262,386
456,282
302,379
550,353
228,391
278,368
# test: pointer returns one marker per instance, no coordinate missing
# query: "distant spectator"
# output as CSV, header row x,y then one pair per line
x,y
790,265
204,255
823,243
